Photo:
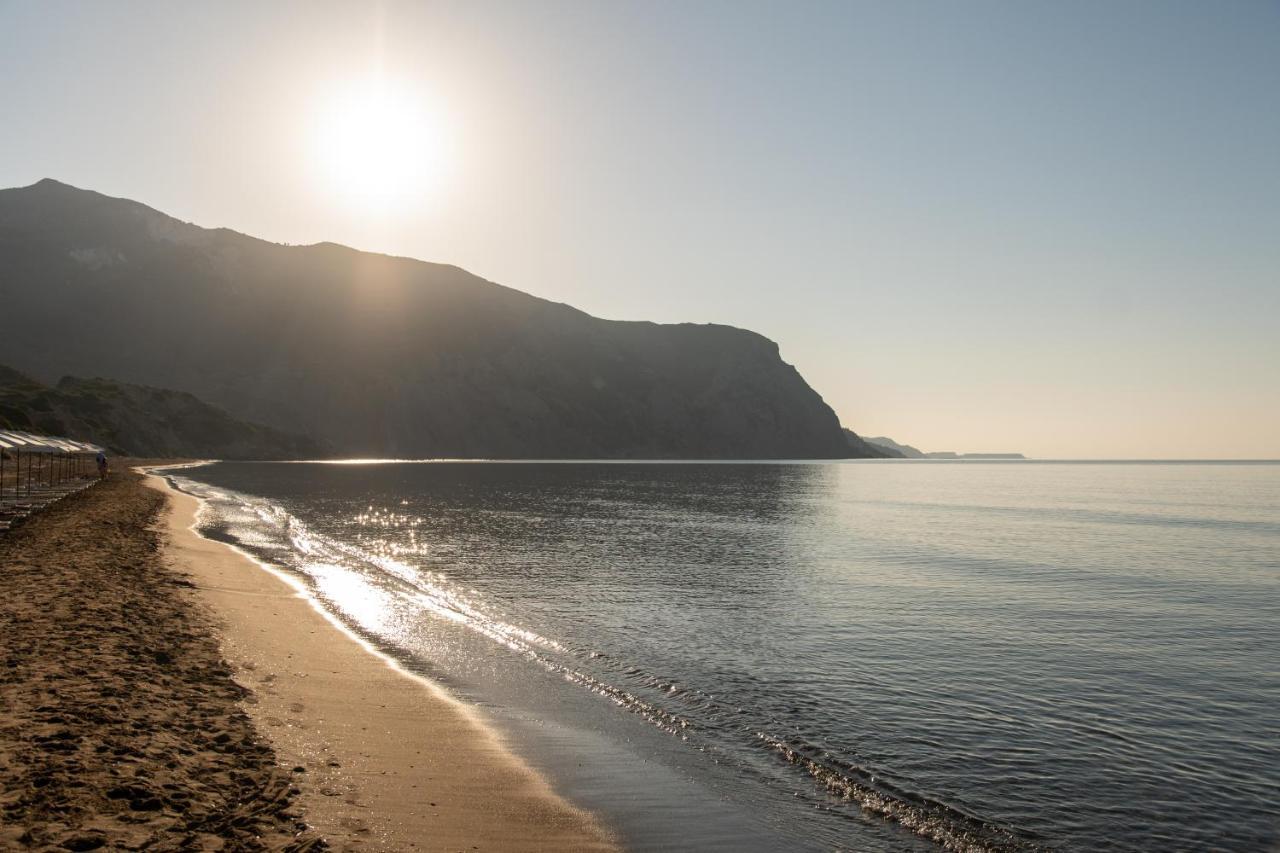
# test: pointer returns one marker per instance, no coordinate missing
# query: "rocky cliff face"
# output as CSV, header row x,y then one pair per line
x,y
139,421
379,355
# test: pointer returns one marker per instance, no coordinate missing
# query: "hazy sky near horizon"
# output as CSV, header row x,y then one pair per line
x,y
983,226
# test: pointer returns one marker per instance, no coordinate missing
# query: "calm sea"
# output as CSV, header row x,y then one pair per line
x,y
862,655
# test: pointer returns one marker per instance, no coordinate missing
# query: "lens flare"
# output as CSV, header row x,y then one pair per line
x,y
380,145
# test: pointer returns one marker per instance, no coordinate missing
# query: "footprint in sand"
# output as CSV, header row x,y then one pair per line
x,y
354,824
297,707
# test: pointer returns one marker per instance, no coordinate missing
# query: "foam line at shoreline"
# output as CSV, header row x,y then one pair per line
x,y
390,757
658,702
301,592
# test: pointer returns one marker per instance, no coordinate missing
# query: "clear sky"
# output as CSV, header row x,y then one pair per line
x,y
1042,227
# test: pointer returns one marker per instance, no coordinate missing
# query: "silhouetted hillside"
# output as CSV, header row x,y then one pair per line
x,y
906,451
379,355
865,448
139,421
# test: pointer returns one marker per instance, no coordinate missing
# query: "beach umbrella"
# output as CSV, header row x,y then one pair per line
x,y
16,441
4,445
62,459
60,448
35,446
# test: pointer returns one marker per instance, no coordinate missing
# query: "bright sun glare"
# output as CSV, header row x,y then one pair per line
x,y
381,147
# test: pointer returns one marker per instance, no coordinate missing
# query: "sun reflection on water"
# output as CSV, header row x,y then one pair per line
x,y
372,608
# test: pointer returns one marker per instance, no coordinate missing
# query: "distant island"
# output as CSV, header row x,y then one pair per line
x,y
946,454
906,451
372,355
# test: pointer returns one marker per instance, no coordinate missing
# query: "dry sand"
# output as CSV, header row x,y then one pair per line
x,y
385,760
123,726
120,725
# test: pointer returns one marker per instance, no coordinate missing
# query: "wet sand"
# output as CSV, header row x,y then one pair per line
x,y
160,691
385,760
120,724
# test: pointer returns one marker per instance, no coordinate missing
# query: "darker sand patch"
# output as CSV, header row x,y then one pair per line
x,y
120,724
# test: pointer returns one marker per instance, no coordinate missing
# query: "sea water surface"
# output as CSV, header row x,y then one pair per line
x,y
847,655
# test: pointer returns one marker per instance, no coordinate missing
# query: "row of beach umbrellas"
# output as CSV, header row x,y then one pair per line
x,y
54,467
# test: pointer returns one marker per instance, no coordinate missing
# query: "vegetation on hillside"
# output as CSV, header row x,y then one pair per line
x,y
139,421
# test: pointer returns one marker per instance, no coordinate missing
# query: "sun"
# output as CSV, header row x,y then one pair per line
x,y
379,146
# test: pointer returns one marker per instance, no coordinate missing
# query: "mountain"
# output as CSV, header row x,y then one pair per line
x,y
138,421
905,451
866,448
379,355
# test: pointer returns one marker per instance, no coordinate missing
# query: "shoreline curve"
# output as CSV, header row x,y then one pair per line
x,y
384,757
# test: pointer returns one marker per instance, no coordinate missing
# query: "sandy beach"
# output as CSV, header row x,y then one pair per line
x,y
120,724
164,691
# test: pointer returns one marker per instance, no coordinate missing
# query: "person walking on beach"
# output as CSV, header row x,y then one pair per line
x,y
102,465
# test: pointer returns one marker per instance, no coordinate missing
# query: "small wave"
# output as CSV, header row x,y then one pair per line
x,y
678,709
943,824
